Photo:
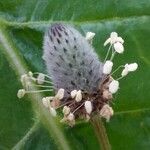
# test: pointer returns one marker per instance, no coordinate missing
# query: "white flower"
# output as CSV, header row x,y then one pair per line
x,y
40,78
60,94
88,106
52,111
21,93
70,117
107,67
66,110
78,97
89,36
113,39
118,47
114,86
73,93
129,68
106,112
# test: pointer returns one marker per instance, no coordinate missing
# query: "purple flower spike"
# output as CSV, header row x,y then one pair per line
x,y
70,59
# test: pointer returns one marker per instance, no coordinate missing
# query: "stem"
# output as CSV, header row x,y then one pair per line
x,y
107,53
101,133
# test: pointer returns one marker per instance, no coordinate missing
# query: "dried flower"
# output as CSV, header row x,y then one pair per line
x,y
106,112
66,110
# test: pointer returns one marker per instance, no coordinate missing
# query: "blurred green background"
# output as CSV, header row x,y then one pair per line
x,y
22,26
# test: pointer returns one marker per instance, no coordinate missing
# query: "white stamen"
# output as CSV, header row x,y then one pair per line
x,y
73,93
114,86
60,94
118,47
40,78
21,93
106,112
66,110
89,36
107,68
78,97
88,106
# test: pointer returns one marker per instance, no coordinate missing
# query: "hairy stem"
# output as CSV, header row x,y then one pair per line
x,y
101,133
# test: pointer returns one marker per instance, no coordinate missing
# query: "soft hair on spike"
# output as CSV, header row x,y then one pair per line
x,y
70,59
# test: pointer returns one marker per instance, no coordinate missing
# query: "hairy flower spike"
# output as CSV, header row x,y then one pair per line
x,y
70,59
82,84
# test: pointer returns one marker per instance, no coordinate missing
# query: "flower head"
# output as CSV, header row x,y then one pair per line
x,y
82,85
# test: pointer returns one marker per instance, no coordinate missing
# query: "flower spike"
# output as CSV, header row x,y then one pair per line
x,y
83,85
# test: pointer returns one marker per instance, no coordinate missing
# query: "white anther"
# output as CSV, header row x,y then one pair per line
x,y
60,94
70,117
114,86
78,97
73,93
21,93
88,106
89,36
132,67
107,68
118,47
66,110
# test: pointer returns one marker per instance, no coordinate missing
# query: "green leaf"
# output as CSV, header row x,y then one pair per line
x,y
22,25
